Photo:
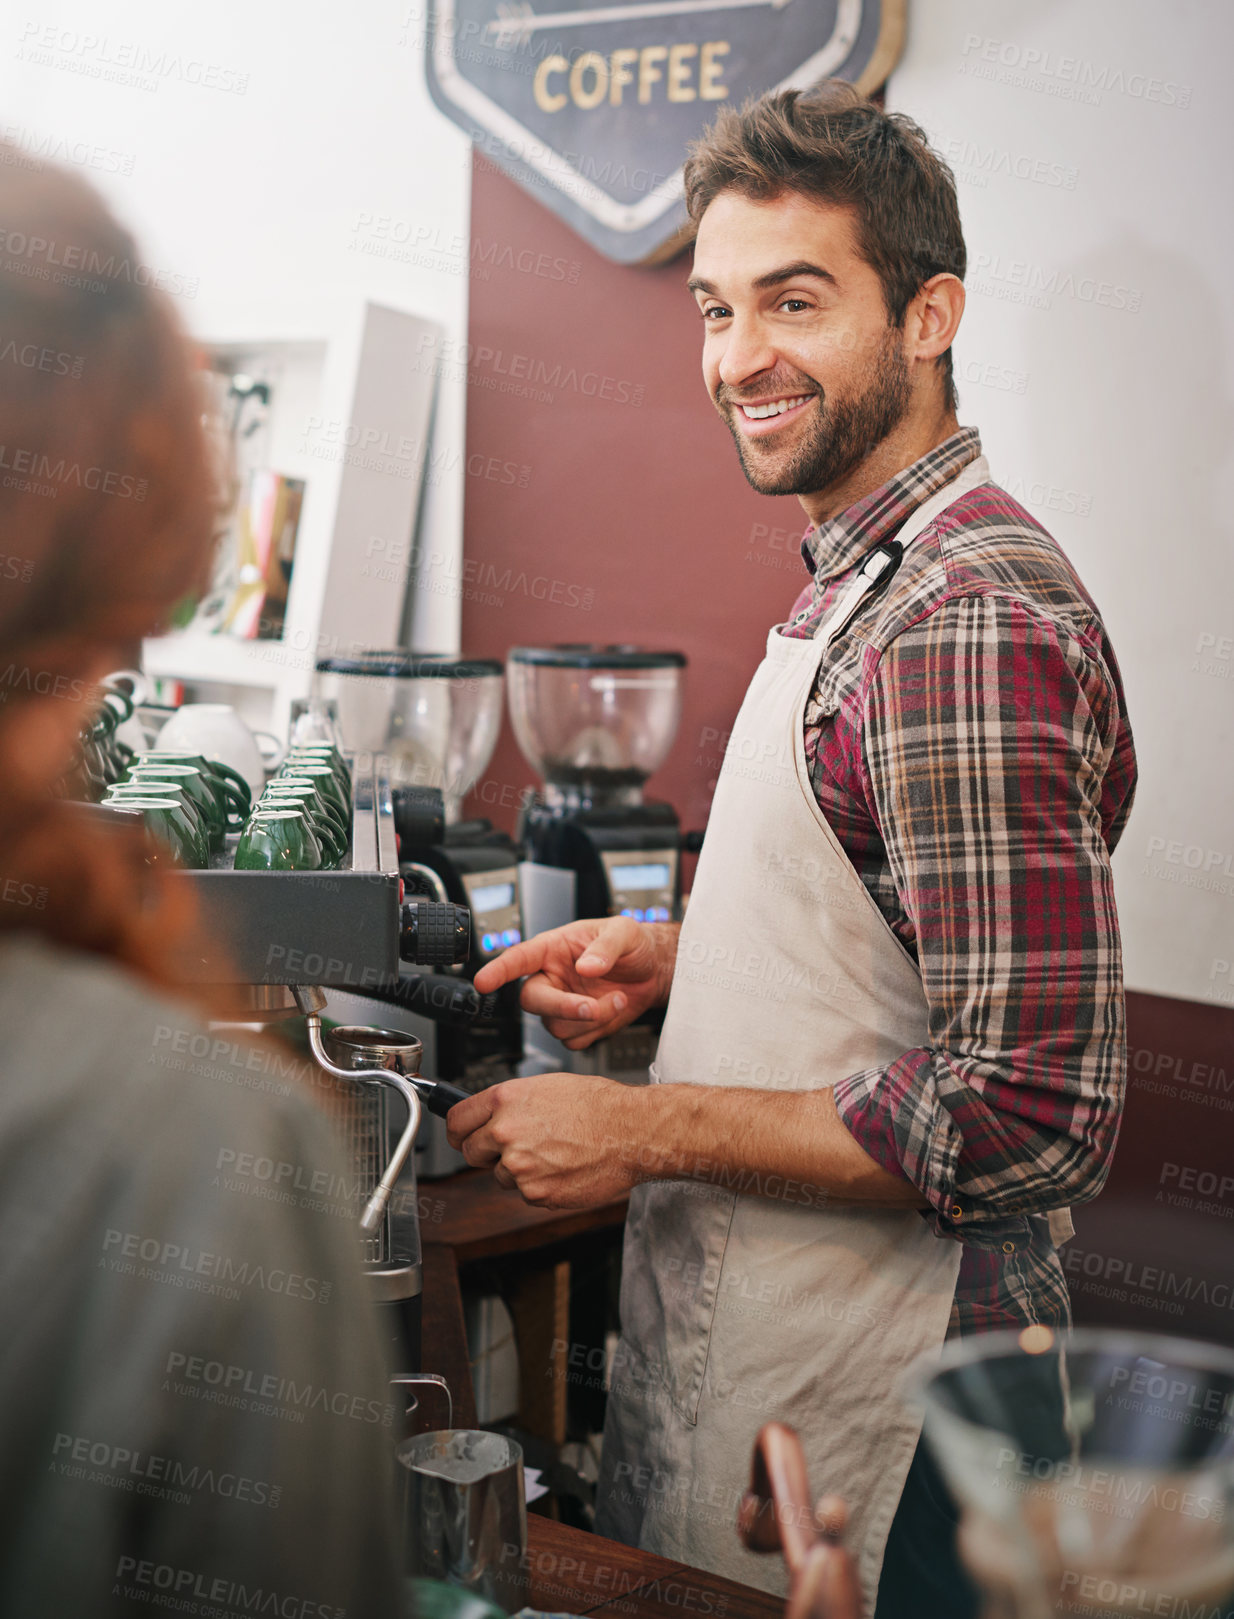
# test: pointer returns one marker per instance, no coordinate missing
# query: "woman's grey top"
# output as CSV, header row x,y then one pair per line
x,y
193,1405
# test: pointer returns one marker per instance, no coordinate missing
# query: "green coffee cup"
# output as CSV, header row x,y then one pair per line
x,y
168,825
304,795
120,702
322,750
233,791
203,829
278,840
196,784
327,782
308,758
322,817
322,796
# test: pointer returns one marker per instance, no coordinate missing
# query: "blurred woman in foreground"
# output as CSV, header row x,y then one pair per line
x,y
193,1402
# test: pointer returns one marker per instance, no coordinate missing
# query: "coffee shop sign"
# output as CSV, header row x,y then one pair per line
x,y
591,109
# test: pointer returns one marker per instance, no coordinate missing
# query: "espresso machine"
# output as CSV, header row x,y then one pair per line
x,y
288,945
595,722
437,719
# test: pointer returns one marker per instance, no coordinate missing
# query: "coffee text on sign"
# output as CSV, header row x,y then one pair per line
x,y
593,78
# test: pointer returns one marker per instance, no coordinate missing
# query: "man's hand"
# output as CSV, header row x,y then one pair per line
x,y
590,978
564,1140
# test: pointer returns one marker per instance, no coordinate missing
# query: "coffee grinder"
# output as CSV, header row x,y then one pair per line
x,y
595,722
437,719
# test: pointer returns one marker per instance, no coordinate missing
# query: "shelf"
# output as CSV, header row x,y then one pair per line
x,y
351,414
223,659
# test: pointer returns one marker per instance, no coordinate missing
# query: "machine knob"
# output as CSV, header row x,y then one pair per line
x,y
435,935
419,816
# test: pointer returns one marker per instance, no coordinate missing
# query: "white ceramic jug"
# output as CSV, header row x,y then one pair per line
x,y
218,732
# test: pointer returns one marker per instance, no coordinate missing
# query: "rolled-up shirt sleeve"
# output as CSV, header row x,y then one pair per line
x,y
988,730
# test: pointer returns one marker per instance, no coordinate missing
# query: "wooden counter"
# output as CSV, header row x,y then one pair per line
x,y
477,1219
468,1219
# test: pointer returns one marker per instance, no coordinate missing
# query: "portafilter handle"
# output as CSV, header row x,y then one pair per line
x,y
454,1002
311,1000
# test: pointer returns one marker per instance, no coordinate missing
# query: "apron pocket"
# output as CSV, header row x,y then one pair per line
x,y
676,1234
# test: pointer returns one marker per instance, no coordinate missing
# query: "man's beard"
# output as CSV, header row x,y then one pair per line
x,y
842,434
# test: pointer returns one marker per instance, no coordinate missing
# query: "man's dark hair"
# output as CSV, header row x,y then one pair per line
x,y
833,144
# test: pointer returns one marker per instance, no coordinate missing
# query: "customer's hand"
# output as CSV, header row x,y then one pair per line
x,y
589,978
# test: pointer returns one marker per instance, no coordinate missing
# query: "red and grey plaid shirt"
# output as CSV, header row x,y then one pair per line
x,y
968,742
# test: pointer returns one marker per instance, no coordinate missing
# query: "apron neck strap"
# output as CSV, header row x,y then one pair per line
x,y
881,562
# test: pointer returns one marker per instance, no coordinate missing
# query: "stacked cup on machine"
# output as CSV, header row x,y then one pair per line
x,y
302,822
188,803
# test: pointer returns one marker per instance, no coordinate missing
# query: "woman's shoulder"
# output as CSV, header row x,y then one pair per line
x,y
149,1123
85,1037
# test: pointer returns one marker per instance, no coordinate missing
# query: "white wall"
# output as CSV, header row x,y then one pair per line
x,y
257,136
1112,423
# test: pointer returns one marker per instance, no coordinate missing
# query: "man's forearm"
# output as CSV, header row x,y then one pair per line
x,y
753,1140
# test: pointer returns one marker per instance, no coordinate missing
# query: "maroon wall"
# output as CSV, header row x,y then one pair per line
x,y
616,511
633,504
1156,1249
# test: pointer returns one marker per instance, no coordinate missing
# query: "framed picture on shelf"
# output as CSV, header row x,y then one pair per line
x,y
265,540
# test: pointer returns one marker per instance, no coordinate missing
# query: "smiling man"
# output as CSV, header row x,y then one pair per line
x,y
903,916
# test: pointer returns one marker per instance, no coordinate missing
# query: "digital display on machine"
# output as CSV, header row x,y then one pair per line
x,y
496,897
625,877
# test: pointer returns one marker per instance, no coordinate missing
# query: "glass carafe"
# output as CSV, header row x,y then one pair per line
x,y
1095,1470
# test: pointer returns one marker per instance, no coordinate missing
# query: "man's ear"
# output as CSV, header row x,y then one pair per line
x,y
933,317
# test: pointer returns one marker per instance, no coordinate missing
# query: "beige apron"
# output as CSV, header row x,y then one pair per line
x,y
758,1300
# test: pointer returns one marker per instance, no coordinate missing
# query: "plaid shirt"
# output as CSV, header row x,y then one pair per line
x,y
968,741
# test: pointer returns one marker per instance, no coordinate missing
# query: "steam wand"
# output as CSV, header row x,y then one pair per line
x,y
311,1000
